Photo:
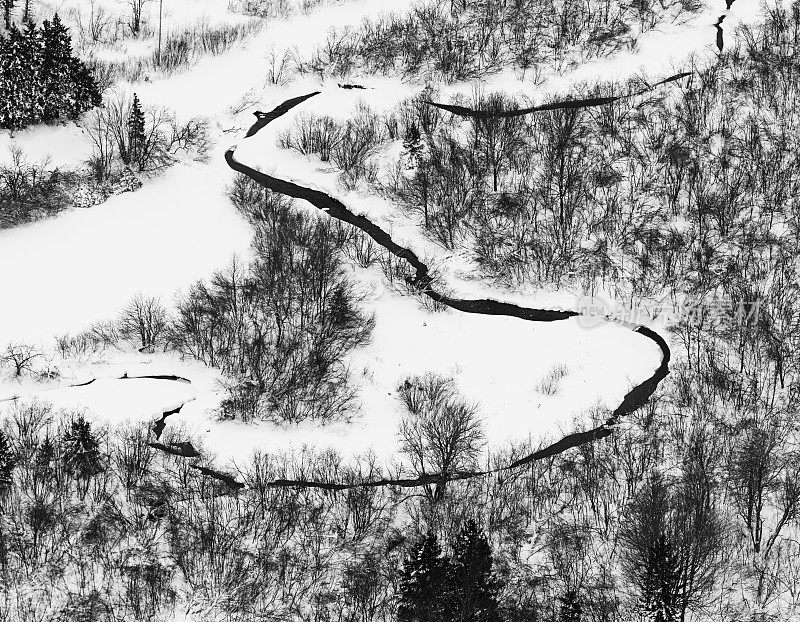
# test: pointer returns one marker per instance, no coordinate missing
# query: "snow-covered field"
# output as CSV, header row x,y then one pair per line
x,y
60,275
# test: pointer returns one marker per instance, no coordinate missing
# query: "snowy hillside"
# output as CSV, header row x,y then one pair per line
x,y
326,296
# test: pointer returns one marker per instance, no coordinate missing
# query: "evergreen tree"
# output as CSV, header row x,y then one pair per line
x,y
651,541
34,53
571,609
136,137
473,586
661,582
423,583
43,460
7,464
81,451
56,69
418,165
40,79
19,79
86,93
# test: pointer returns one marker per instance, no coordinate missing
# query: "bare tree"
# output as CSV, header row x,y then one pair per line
x,y
96,126
498,137
135,23
8,6
92,27
763,475
144,321
20,356
440,433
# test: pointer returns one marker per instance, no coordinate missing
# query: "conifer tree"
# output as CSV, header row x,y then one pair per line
x,y
423,583
473,586
661,582
650,554
7,464
81,451
43,460
40,79
56,69
18,80
34,53
417,163
136,136
571,610
85,92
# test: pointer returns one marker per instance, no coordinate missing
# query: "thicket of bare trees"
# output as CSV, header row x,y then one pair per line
x,y
461,40
667,196
281,326
689,509
31,190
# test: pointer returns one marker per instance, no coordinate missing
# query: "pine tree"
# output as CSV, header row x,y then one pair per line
x,y
413,145
68,87
473,586
660,586
34,52
571,609
86,93
43,460
136,135
19,79
56,69
417,164
423,583
40,79
7,464
81,451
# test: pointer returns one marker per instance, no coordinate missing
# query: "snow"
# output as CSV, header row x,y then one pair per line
x,y
497,363
63,274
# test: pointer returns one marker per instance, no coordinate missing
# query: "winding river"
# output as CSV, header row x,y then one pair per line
x,y
423,282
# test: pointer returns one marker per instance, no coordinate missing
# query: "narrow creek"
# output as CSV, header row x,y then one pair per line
x,y
423,282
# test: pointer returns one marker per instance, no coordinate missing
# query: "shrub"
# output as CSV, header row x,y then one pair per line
x,y
312,135
31,190
349,145
549,384
82,346
463,40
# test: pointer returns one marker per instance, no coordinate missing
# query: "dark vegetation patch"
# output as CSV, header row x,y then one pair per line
x,y
40,78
